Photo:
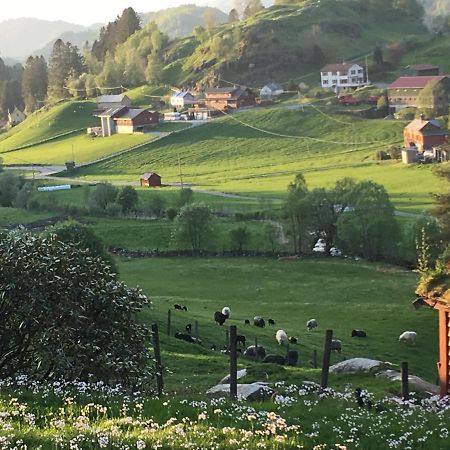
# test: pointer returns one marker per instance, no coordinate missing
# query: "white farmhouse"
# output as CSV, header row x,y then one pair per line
x,y
338,76
182,99
271,91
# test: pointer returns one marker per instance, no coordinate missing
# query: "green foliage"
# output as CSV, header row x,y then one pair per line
x,y
34,83
64,315
186,196
127,198
102,195
442,207
194,226
239,238
9,187
434,97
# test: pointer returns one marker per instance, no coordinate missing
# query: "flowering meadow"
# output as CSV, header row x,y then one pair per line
x,y
78,416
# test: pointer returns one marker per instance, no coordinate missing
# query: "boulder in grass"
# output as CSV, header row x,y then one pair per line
x,y
258,391
358,365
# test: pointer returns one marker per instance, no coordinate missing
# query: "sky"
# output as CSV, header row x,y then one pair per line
x,y
83,12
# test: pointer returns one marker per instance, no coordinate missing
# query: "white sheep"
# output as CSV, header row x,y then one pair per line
x,y
226,311
408,337
281,337
311,324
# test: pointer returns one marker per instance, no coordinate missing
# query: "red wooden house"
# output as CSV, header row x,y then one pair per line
x,y
424,134
229,98
150,179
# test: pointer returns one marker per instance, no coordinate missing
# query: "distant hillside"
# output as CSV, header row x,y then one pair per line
x,y
281,43
76,38
227,5
180,21
19,38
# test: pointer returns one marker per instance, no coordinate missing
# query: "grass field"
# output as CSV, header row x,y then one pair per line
x,y
340,294
13,216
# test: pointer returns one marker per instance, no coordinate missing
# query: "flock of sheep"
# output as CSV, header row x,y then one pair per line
x,y
256,351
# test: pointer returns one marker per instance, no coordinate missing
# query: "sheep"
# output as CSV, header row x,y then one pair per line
x,y
188,328
180,307
226,311
293,340
336,345
259,322
247,322
187,338
213,347
255,352
275,359
359,333
240,339
281,337
271,322
408,337
311,324
219,318
292,358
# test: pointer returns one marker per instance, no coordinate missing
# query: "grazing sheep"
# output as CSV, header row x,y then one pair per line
x,y
219,317
293,340
188,328
226,311
292,358
359,333
180,307
259,322
408,337
281,337
311,324
255,352
240,339
271,322
336,345
213,347
187,338
275,359
247,322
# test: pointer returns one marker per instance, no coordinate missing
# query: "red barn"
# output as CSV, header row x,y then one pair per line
x,y
150,179
424,134
229,98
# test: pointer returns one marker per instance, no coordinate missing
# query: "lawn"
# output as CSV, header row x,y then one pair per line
x,y
13,216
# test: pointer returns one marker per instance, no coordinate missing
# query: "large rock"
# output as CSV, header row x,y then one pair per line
x,y
415,383
358,365
240,374
253,392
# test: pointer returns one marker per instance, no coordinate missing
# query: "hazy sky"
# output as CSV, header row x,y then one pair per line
x,y
84,12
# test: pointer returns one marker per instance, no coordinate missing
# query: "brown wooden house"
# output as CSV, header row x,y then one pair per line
x,y
150,179
229,98
424,134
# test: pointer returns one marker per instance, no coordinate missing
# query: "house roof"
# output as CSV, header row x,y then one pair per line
x,y
222,90
111,98
423,66
130,113
112,112
274,87
424,127
414,82
344,67
148,175
182,94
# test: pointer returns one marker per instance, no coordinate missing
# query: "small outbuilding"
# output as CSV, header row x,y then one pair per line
x,y
424,134
182,99
270,92
150,179
15,117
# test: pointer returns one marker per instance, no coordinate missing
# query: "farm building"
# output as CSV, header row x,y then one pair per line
x,y
15,117
200,113
150,179
341,76
229,98
422,70
270,91
126,120
405,91
424,134
105,102
182,99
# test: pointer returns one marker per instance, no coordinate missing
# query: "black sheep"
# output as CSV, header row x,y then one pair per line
x,y
180,307
271,322
219,317
292,358
247,322
240,339
259,322
213,347
275,359
187,338
188,328
255,352
359,333
293,340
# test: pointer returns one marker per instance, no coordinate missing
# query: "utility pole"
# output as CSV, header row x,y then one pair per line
x,y
179,169
367,72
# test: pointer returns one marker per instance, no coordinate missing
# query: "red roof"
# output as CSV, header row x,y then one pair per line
x,y
414,82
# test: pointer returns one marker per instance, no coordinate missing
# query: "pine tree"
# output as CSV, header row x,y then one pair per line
x,y
34,82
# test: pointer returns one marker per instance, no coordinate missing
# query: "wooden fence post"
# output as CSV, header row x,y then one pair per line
x,y
233,361
157,350
405,381
169,320
326,358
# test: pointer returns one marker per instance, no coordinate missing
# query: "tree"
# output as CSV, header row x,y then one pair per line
x,y
65,316
9,187
378,57
102,195
292,86
369,228
252,7
317,56
194,226
233,16
434,96
239,237
127,198
298,212
186,196
442,208
383,105
34,83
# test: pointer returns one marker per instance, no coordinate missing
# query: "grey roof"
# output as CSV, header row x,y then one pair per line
x,y
182,94
111,98
130,113
112,112
274,87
